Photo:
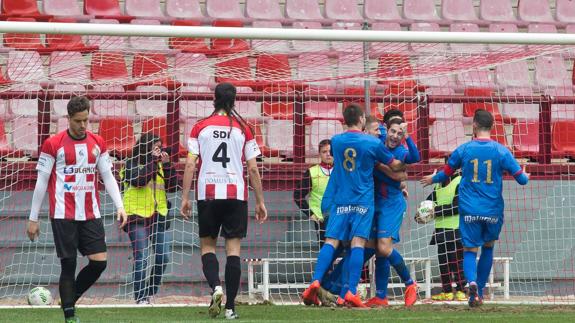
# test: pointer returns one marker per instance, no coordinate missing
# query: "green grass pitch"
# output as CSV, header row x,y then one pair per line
x,y
270,313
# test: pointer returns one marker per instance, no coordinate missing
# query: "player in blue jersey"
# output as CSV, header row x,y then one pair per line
x,y
390,207
481,205
355,155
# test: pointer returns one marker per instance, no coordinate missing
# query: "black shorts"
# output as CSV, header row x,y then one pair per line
x,y
86,236
441,235
229,215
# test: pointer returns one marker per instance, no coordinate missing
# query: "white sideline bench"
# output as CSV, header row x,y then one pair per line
x,y
426,285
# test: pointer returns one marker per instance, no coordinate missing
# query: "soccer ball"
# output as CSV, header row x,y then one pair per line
x,y
425,212
39,296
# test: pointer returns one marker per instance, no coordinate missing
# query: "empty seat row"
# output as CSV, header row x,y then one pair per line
x,y
489,10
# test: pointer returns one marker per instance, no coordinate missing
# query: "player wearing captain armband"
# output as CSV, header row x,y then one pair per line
x,y
481,204
355,155
68,166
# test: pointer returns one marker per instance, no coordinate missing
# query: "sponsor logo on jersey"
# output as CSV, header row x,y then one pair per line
x,y
79,170
351,209
95,151
78,188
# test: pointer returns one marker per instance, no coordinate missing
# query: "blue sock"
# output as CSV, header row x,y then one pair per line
x,y
484,268
333,277
324,261
382,271
344,276
355,266
470,266
396,260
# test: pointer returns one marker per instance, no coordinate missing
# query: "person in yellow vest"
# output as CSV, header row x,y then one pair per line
x,y
447,238
146,177
309,191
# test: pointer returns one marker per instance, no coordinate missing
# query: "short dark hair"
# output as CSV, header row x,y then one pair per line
x,y
351,114
483,119
225,97
392,113
78,104
324,143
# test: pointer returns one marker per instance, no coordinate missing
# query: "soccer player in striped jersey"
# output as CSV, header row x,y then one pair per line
x,y
67,168
483,162
219,144
350,190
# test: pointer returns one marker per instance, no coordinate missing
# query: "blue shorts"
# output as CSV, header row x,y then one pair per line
x,y
349,221
389,215
477,230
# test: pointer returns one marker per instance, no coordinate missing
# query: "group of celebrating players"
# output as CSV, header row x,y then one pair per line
x,y
366,202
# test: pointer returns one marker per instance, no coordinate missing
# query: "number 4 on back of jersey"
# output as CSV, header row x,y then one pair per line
x,y
221,155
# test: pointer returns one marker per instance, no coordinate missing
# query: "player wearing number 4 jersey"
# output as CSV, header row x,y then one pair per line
x,y
67,169
219,145
350,191
481,205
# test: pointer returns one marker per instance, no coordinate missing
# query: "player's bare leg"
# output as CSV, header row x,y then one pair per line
x,y
211,270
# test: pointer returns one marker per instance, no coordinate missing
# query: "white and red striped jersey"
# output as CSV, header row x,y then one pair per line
x,y
222,149
72,165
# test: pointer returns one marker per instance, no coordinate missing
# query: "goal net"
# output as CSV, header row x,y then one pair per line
x,y
292,93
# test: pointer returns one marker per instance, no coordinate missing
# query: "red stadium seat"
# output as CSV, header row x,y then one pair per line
x,y
23,8
279,136
563,140
185,44
374,108
67,67
446,135
427,47
541,28
188,69
266,151
143,43
451,111
312,67
224,9
514,74
247,109
67,42
146,107
305,46
315,109
377,49
104,108
63,8
273,70
303,10
23,41
144,8
565,10
561,111
342,10
504,28
25,66
343,46
118,134
526,139
409,109
236,71
476,79
27,107
109,9
393,66
498,132
381,10
264,9
320,130
25,136
496,10
469,108
521,111
195,109
156,126
108,43
420,10
534,11
108,66
270,46
465,48
224,46
184,9
59,105
150,69
275,108
551,71
458,10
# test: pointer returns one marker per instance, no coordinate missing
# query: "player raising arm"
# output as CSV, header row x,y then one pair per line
x,y
481,204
